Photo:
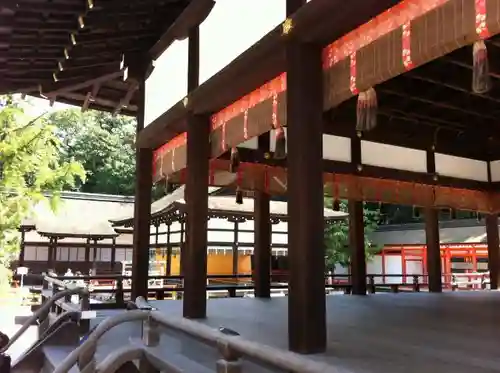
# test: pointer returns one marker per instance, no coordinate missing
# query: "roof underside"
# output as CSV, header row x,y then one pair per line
x,y
34,35
434,105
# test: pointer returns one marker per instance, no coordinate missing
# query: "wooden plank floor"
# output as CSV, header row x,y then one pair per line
x,y
384,333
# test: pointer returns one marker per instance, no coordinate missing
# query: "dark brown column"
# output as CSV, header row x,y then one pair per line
x,y
169,252
113,254
182,249
357,246
306,300
433,250
262,246
22,247
493,249
431,216
142,208
235,250
194,263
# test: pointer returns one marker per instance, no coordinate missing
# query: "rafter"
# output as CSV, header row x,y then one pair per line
x,y
64,87
43,7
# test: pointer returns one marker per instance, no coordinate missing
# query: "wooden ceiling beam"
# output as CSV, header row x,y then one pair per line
x,y
125,102
59,55
194,14
43,7
58,88
90,38
91,96
99,101
437,104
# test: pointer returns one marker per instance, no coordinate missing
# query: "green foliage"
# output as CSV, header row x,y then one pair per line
x,y
104,144
337,236
29,166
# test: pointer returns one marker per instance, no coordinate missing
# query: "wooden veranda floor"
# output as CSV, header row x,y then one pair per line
x,y
455,332
385,333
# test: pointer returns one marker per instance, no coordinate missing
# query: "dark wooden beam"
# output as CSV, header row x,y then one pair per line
x,y
198,155
142,208
263,233
195,261
262,251
431,216
191,17
357,226
493,250
43,7
306,252
57,88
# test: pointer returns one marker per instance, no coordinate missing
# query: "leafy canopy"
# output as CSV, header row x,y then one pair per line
x,y
104,144
337,236
30,167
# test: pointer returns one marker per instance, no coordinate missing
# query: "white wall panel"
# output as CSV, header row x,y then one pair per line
x,y
337,148
463,168
390,156
495,170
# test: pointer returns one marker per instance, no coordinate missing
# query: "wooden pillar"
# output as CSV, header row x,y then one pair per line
x,y
431,217
235,249
182,249
51,255
262,246
493,249
195,261
433,250
22,248
306,300
94,258
87,255
357,247
168,269
142,208
113,254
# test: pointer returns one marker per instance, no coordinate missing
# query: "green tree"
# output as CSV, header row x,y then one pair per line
x,y
337,236
29,166
104,144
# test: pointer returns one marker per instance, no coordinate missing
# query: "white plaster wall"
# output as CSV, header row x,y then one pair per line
x,y
36,253
495,170
167,84
459,167
390,156
337,148
394,266
232,27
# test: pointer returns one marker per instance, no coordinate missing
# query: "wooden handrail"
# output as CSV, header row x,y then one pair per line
x,y
231,345
43,312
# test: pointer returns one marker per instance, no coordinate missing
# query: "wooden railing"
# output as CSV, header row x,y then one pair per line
x,y
58,303
232,349
118,293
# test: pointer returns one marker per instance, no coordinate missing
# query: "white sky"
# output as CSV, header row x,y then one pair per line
x,y
230,29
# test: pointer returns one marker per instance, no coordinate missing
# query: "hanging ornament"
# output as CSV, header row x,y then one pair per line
x,y
481,81
280,149
239,196
234,160
366,110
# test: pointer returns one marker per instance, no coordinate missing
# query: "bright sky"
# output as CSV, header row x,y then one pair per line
x,y
231,28
38,106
